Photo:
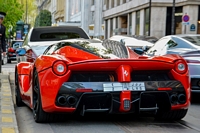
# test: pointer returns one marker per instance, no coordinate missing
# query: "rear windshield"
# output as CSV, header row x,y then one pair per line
x,y
57,33
193,39
59,36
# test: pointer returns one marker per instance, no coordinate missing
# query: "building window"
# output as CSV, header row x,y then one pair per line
x,y
111,28
137,29
118,2
112,3
198,30
130,23
124,1
107,4
93,2
146,22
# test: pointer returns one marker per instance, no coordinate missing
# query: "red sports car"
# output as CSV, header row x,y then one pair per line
x,y
79,76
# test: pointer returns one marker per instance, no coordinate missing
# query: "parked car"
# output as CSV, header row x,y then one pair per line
x,y
188,46
132,42
49,34
11,52
150,39
84,75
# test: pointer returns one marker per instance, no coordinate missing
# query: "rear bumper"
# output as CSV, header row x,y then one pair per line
x,y
95,97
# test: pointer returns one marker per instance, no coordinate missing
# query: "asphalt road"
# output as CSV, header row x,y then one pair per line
x,y
97,123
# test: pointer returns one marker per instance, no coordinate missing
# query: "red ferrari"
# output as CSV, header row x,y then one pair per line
x,y
80,76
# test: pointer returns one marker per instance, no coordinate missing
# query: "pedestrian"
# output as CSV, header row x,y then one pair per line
x,y
2,37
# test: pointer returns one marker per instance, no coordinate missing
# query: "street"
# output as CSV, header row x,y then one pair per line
x,y
98,123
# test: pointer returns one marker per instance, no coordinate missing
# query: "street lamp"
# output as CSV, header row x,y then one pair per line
x,y
173,18
26,11
149,18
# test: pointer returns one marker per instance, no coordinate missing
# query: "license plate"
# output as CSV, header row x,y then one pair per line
x,y
133,86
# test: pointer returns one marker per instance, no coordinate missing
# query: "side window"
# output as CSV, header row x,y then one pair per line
x,y
55,47
171,44
181,43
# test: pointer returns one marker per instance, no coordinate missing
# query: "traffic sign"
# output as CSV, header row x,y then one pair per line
x,y
186,23
185,18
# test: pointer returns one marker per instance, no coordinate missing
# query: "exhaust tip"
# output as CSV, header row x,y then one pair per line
x,y
181,98
71,100
173,98
62,100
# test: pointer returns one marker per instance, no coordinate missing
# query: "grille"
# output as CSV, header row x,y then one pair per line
x,y
149,76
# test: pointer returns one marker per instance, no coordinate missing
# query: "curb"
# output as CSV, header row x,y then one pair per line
x,y
8,122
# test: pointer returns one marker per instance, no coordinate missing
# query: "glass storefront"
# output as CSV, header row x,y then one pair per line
x,y
137,29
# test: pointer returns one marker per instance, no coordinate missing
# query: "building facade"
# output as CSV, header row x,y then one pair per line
x,y
142,17
89,14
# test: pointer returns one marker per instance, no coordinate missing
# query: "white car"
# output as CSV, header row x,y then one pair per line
x,y
130,41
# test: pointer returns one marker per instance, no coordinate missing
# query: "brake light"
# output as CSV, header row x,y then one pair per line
x,y
181,66
11,50
83,90
59,68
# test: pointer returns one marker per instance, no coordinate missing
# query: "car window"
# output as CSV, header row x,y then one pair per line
x,y
16,44
59,36
181,43
55,47
171,44
193,39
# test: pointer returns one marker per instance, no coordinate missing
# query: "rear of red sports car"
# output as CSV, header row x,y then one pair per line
x,y
81,82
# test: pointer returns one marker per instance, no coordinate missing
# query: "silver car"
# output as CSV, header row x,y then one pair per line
x,y
188,46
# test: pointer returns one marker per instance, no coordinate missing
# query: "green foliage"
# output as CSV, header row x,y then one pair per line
x,y
13,11
43,19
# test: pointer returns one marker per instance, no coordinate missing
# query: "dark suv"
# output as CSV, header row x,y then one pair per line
x,y
11,55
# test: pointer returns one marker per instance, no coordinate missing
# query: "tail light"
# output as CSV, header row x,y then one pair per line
x,y
181,66
59,68
11,50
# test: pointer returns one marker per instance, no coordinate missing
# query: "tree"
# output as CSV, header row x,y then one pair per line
x,y
13,11
30,11
43,19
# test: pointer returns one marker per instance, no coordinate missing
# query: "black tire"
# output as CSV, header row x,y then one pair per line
x,y
8,61
117,48
18,98
40,116
171,115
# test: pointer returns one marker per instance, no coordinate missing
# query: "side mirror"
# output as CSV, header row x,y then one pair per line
x,y
21,51
139,51
144,48
122,41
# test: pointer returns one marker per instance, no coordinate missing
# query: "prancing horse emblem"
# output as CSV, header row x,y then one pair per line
x,y
125,73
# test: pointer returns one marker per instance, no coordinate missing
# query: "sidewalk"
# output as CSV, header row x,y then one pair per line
x,y
8,123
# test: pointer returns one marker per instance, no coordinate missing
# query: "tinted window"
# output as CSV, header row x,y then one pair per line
x,y
181,43
16,44
171,44
57,33
193,39
59,36
53,48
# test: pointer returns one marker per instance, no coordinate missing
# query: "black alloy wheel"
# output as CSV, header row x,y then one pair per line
x,y
39,114
18,98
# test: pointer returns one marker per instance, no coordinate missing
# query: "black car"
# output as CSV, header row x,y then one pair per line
x,y
11,54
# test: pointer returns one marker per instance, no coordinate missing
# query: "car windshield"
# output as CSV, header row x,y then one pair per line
x,y
16,44
193,39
